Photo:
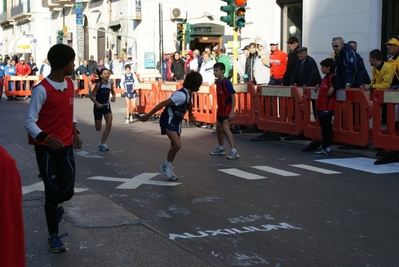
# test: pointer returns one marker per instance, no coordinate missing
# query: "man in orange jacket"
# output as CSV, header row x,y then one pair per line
x,y
278,64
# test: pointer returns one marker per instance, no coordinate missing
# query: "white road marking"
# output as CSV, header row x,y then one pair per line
x,y
135,182
363,164
87,155
40,187
275,171
242,174
315,169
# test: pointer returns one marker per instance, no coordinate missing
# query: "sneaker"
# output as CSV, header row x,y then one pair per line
x,y
320,150
127,121
218,151
131,118
60,212
103,147
233,155
328,151
166,170
55,243
174,176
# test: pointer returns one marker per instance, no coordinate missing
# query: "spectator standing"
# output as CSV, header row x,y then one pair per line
x,y
353,44
106,63
92,65
199,58
239,63
102,107
132,62
32,66
349,66
83,70
305,72
167,62
206,70
23,70
261,64
10,70
249,64
278,64
12,241
325,104
51,125
225,113
188,58
382,72
226,61
111,65
45,68
177,67
2,75
393,60
292,59
193,65
175,108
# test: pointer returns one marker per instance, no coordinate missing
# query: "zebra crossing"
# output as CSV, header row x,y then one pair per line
x,y
358,163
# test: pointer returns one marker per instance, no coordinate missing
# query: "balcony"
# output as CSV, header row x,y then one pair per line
x,y
58,4
21,10
5,19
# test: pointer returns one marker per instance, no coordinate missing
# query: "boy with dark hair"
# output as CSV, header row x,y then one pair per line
x,y
225,112
325,104
51,124
170,121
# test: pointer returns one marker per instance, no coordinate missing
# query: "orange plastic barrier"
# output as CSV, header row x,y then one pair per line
x,y
388,138
17,86
246,104
353,110
85,90
279,109
148,96
204,104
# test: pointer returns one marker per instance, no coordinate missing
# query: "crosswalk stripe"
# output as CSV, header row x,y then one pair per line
x,y
275,171
242,174
315,169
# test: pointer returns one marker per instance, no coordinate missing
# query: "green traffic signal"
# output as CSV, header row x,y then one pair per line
x,y
240,16
60,37
229,9
188,33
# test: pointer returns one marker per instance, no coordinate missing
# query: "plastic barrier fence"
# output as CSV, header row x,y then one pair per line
x,y
81,85
18,86
279,109
148,96
204,104
246,105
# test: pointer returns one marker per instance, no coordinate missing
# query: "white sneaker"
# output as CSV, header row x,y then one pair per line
x,y
131,118
103,147
174,176
127,121
233,155
166,170
218,151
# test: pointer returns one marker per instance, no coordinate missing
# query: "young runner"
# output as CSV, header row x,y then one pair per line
x,y
129,83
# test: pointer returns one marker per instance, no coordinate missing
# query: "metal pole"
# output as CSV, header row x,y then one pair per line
x,y
235,53
161,38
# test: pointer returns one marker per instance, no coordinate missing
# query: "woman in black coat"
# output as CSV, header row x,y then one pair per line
x,y
177,67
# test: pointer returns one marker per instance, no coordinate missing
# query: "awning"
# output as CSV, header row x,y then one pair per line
x,y
114,23
12,45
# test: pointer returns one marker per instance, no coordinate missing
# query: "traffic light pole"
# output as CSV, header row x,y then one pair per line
x,y
235,54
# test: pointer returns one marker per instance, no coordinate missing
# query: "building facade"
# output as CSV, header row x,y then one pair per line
x,y
147,28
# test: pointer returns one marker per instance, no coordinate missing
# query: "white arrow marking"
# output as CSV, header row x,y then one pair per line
x,y
87,155
40,187
135,182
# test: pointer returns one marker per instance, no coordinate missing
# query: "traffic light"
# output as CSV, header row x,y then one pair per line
x,y
229,9
180,32
60,37
188,33
239,13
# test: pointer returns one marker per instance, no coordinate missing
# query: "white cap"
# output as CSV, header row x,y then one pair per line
x,y
22,58
274,42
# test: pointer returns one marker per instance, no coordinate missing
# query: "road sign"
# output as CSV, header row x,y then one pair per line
x,y
34,42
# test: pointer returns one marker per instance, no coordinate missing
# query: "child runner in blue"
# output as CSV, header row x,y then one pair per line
x,y
129,83
175,108
100,96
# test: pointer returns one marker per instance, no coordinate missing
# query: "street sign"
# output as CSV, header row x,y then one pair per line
x,y
34,42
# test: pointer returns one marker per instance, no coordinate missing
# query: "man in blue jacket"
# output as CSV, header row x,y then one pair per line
x,y
349,66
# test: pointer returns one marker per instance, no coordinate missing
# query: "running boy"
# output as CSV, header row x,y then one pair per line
x,y
170,121
325,104
100,97
51,125
225,113
129,83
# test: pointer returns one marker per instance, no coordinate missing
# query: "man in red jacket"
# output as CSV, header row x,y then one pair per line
x,y
278,64
51,125
23,70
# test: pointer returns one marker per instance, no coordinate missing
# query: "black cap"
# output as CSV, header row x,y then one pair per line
x,y
245,48
292,39
300,49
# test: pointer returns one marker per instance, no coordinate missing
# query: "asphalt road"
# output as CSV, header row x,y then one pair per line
x,y
275,206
